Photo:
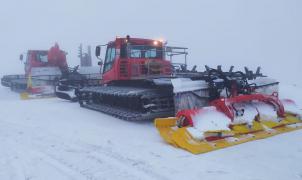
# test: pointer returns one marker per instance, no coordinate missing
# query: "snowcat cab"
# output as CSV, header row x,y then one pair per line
x,y
136,80
53,59
134,59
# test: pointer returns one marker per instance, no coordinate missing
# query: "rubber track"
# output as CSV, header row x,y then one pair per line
x,y
128,103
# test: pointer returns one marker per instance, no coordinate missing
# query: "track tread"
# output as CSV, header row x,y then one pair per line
x,y
128,102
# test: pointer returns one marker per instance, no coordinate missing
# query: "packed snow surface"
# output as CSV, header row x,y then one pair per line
x,y
54,139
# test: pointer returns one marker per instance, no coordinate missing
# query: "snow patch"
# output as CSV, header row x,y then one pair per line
x,y
249,111
296,125
209,119
291,107
246,113
267,111
269,85
186,84
195,133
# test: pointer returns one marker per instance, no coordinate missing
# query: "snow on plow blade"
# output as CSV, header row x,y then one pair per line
x,y
184,132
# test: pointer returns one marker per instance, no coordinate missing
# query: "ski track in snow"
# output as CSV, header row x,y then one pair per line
x,y
54,139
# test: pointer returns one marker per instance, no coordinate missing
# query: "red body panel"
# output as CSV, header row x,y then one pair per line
x,y
43,58
124,69
57,57
225,105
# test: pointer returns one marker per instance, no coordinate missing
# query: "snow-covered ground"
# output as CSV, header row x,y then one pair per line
x,y
55,139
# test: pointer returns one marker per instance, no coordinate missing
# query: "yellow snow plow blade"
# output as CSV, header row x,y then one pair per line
x,y
24,96
182,138
27,96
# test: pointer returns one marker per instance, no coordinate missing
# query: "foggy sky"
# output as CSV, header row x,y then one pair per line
x,y
229,32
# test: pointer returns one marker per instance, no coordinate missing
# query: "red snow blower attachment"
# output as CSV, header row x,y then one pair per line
x,y
238,111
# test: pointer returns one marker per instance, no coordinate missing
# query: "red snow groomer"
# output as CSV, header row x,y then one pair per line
x,y
140,81
214,108
42,69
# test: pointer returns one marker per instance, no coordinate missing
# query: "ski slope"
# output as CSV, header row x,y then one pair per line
x,y
50,139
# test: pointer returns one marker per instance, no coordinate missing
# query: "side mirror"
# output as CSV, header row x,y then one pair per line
x,y
100,63
97,51
21,57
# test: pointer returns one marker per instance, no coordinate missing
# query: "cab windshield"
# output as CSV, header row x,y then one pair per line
x,y
145,51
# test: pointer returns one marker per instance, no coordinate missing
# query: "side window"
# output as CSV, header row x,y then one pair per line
x,y
110,56
42,57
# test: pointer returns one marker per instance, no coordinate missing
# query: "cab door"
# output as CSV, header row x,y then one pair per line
x,y
109,72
